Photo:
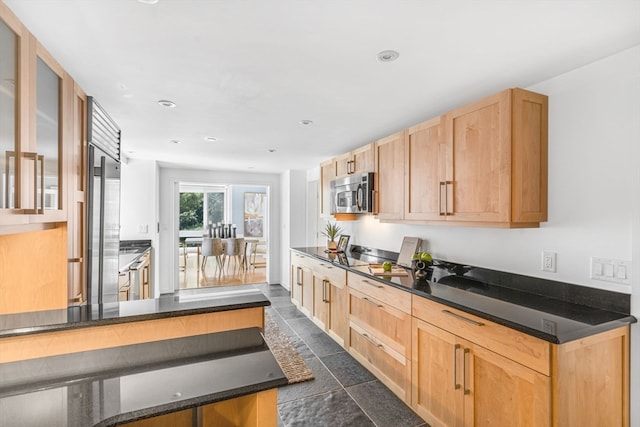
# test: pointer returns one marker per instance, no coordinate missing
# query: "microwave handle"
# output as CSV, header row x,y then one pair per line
x,y
359,197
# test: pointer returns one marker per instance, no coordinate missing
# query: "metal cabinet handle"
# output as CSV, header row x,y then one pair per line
x,y
41,160
442,212
372,341
455,366
298,280
372,284
34,157
448,184
371,302
464,371
465,319
325,292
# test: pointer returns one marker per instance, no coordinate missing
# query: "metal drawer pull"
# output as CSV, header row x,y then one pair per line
x,y
455,367
298,280
372,284
457,316
442,212
371,340
325,292
371,302
464,371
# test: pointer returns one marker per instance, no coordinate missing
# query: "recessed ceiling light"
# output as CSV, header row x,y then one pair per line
x,y
388,56
175,141
306,122
271,150
167,103
148,1
210,138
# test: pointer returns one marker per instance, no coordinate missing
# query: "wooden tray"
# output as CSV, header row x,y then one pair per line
x,y
377,270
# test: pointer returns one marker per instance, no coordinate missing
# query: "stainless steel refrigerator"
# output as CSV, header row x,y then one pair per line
x,y
103,210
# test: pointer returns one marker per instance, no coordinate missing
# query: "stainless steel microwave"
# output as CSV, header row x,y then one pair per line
x,y
352,194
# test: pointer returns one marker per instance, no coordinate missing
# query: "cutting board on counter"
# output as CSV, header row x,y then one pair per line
x,y
377,270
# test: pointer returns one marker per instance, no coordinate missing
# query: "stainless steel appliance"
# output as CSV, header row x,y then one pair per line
x,y
352,194
103,210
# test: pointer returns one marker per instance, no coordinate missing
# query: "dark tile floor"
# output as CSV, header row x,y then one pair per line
x,y
343,392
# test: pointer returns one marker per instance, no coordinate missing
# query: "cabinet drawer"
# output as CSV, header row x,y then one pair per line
x,y
391,326
520,347
302,260
388,294
389,366
336,275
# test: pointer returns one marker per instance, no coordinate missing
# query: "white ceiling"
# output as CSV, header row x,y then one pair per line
x,y
247,72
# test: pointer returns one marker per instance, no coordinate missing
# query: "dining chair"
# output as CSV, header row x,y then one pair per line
x,y
213,247
255,247
234,248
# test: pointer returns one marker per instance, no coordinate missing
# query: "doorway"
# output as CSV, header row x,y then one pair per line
x,y
238,215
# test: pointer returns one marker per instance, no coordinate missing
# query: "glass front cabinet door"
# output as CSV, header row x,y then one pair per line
x,y
32,109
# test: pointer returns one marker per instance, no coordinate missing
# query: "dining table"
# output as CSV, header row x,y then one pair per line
x,y
196,242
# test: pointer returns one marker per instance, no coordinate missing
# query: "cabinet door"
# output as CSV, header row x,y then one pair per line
x,y
436,380
327,174
363,159
478,173
14,45
49,105
389,181
76,225
306,276
425,172
499,392
338,327
296,282
344,164
321,300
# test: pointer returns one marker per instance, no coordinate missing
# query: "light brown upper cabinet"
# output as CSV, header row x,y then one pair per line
x,y
496,161
327,174
34,108
425,165
357,161
388,199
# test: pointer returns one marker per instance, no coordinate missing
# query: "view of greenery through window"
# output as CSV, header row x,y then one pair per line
x,y
194,215
191,211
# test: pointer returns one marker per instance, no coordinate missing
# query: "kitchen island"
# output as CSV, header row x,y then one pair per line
x,y
185,356
48,333
179,382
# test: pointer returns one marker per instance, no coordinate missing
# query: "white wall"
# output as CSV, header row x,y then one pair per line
x,y
139,206
294,218
167,195
594,187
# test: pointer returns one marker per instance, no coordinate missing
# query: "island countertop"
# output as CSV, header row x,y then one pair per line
x,y
122,384
182,303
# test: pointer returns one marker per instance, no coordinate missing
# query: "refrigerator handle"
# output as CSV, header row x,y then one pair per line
x,y
103,174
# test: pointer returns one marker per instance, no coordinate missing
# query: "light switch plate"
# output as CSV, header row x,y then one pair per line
x,y
610,270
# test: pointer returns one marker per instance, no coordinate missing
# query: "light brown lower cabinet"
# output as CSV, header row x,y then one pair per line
x,y
253,410
468,371
380,332
301,283
457,383
330,300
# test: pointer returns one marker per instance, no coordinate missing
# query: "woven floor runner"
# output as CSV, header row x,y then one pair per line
x,y
293,366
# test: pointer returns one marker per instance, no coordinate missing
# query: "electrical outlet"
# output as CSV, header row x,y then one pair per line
x,y
549,261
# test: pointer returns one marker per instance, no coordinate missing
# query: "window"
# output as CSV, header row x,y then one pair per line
x,y
201,205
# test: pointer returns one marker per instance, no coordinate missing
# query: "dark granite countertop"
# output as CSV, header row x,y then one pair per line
x,y
553,311
183,303
123,384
